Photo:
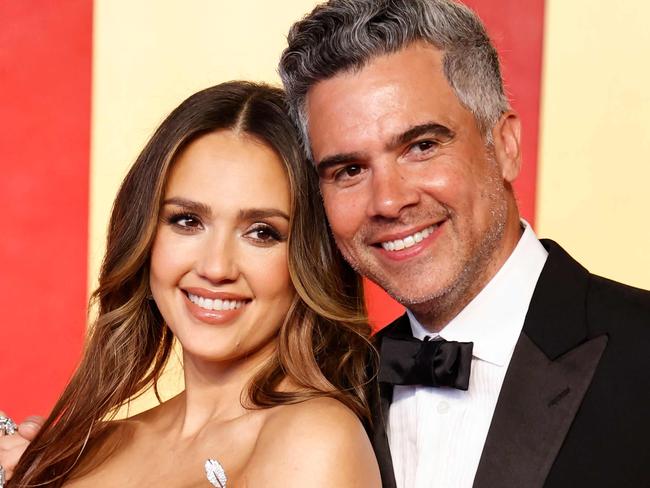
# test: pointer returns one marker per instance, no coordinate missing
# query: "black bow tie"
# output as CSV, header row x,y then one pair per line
x,y
411,361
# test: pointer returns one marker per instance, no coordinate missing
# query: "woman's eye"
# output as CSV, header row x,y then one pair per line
x,y
264,234
184,221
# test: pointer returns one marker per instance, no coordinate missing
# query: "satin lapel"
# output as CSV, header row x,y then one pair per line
x,y
379,435
550,371
381,400
537,404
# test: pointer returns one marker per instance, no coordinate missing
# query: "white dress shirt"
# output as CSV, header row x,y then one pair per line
x,y
436,435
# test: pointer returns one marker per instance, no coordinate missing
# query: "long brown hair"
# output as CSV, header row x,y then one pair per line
x,y
322,345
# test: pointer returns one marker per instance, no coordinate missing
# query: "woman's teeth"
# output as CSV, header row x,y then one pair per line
x,y
215,304
409,241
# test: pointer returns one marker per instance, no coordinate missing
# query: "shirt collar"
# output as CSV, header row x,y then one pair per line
x,y
494,318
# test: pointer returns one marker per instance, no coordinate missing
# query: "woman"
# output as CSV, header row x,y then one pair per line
x,y
218,239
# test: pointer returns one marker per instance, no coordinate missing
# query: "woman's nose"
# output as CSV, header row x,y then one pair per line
x,y
218,259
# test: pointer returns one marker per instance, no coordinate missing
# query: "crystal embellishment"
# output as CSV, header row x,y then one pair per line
x,y
215,473
7,426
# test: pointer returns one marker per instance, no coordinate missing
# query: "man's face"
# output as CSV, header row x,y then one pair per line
x,y
416,199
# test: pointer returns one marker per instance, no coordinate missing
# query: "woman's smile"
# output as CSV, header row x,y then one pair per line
x,y
213,307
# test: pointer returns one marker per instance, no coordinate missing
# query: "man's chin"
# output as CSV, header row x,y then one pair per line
x,y
410,296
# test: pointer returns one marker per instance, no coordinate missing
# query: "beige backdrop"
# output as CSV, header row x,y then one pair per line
x,y
595,135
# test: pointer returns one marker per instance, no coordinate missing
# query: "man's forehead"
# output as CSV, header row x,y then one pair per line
x,y
392,94
418,66
388,67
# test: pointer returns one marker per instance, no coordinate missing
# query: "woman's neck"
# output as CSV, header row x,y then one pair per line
x,y
214,391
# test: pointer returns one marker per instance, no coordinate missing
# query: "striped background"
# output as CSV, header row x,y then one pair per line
x,y
83,84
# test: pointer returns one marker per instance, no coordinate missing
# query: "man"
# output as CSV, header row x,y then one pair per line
x,y
403,113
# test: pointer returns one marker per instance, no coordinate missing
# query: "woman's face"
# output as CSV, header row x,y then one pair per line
x,y
219,270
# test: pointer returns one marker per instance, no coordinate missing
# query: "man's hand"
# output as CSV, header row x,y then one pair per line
x,y
13,446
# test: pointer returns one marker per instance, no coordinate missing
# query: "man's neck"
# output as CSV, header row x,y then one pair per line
x,y
435,314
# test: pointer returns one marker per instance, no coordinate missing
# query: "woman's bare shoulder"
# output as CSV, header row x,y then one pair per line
x,y
319,442
156,418
119,435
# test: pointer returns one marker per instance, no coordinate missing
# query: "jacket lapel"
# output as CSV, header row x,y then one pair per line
x,y
380,401
537,404
550,371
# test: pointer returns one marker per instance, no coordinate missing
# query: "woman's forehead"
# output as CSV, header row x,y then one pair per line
x,y
228,168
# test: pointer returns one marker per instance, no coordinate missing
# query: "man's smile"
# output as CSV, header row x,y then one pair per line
x,y
410,240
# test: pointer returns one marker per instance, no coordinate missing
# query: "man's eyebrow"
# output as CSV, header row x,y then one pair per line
x,y
336,160
411,133
429,128
189,205
261,213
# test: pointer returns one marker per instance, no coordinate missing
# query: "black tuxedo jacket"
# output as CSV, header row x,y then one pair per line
x,y
574,409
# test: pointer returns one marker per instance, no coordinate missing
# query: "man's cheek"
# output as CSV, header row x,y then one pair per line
x,y
341,233
335,212
346,228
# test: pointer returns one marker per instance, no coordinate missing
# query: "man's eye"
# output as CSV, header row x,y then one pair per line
x,y
349,171
423,146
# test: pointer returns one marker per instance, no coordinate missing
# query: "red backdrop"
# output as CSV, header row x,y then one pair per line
x,y
45,68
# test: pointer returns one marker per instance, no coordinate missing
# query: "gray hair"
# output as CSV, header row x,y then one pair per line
x,y
343,35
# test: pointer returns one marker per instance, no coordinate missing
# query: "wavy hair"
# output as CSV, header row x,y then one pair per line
x,y
323,345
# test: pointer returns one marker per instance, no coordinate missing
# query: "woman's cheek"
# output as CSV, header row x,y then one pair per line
x,y
272,275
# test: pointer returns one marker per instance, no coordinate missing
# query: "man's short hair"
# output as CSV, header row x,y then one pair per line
x,y
343,35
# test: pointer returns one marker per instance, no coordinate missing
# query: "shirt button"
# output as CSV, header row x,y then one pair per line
x,y
443,407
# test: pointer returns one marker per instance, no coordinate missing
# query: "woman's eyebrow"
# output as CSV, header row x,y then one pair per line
x,y
261,213
189,205
244,214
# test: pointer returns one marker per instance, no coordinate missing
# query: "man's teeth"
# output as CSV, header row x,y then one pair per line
x,y
408,241
216,304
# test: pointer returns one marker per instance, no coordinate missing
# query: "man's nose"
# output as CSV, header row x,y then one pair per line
x,y
392,190
218,261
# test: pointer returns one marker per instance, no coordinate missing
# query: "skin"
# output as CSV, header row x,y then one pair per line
x,y
12,446
224,229
397,153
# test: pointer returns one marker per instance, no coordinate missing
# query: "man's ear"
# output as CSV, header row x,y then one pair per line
x,y
506,134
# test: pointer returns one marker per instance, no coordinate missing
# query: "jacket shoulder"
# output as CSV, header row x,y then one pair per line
x,y
610,302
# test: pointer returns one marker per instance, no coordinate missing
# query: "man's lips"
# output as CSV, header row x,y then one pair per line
x,y
396,241
406,244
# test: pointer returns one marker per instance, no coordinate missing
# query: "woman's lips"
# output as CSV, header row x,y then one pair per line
x,y
214,308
